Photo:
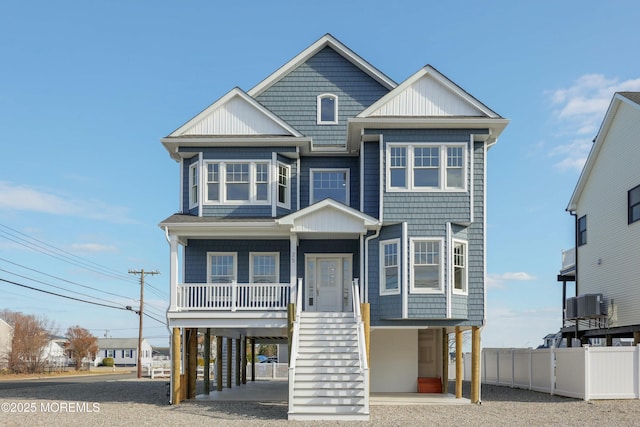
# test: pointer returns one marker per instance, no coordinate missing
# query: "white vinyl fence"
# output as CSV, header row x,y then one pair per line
x,y
583,372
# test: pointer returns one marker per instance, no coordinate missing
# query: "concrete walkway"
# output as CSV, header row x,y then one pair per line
x,y
278,391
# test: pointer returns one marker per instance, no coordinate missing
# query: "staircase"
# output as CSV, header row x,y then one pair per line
x,y
328,381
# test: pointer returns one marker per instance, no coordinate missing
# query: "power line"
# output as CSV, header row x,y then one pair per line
x,y
142,273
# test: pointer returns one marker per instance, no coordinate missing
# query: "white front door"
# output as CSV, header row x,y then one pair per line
x,y
327,282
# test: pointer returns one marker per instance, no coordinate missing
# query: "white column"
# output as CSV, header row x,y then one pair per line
x,y
293,267
173,273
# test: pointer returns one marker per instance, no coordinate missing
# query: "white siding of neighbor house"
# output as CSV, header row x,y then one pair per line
x,y
426,97
235,117
609,263
394,360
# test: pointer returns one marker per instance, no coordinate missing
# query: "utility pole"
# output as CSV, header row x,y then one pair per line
x,y
141,312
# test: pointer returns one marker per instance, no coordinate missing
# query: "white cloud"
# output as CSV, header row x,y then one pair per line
x,y
580,109
496,281
28,199
93,247
520,329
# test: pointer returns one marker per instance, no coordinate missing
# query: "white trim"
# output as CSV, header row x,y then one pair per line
x,y
382,283
181,187
361,175
442,167
471,177
319,99
405,271
277,257
200,189
193,168
465,289
274,169
382,178
235,264
293,265
448,263
442,255
348,183
484,237
298,174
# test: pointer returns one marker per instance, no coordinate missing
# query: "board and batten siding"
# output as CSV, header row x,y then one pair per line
x,y
293,98
609,263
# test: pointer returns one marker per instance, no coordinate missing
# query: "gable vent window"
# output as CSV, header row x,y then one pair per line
x,y
634,204
327,105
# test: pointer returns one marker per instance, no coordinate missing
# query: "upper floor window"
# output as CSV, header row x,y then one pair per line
x,y
390,267
634,204
222,267
237,182
264,267
332,183
327,108
193,185
284,192
426,167
459,266
426,265
582,230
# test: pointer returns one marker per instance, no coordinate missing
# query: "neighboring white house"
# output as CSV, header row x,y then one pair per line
x,y
54,353
124,351
6,335
606,206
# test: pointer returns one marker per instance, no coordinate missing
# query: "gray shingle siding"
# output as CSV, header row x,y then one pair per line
x,y
372,179
383,306
195,269
293,98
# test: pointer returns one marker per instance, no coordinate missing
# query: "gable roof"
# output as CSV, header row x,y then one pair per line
x,y
325,41
235,114
629,98
119,343
428,93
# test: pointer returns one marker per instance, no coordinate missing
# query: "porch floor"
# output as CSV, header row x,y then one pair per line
x,y
277,391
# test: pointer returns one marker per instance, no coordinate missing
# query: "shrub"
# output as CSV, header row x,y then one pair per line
x,y
107,361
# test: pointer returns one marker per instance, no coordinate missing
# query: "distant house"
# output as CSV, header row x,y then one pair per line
x,y
124,351
6,335
605,263
55,353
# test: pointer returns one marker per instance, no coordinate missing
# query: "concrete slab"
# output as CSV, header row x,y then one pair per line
x,y
278,391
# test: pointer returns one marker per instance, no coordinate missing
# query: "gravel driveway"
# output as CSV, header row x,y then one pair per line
x,y
143,402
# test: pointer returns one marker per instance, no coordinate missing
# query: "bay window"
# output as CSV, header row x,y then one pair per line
x,y
426,265
237,182
390,267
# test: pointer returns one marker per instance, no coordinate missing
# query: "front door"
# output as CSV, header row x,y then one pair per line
x,y
327,282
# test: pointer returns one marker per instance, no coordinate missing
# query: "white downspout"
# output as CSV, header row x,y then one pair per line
x,y
449,270
405,270
366,261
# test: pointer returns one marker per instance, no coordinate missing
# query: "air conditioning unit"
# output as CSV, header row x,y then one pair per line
x,y
590,305
571,310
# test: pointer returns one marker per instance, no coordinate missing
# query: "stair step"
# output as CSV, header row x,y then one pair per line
x,y
318,378
330,355
328,393
352,403
355,384
327,370
314,349
327,363
326,314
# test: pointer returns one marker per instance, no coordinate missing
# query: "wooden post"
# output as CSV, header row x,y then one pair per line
x,y
636,338
219,363
459,367
238,359
609,338
193,363
229,360
365,312
244,359
207,359
175,366
445,361
475,364
291,317
253,359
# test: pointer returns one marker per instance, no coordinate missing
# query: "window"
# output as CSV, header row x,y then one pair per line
x,y
425,258
634,204
213,182
264,268
284,173
193,185
127,353
237,182
390,267
459,266
333,183
327,107
582,230
222,267
426,167
110,353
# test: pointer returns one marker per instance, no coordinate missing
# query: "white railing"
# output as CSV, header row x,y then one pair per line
x,y
568,259
294,343
362,349
579,372
270,371
233,296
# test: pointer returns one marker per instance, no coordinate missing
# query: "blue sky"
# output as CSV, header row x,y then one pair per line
x,y
87,89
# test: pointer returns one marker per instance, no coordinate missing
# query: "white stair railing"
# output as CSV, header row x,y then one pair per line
x,y
362,350
294,343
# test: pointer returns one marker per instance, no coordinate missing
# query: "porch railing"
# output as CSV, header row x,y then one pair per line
x,y
233,296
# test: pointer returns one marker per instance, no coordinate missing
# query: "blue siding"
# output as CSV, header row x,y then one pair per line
x,y
293,98
372,179
383,306
195,269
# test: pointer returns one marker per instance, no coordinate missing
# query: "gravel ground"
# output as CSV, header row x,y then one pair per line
x,y
143,402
